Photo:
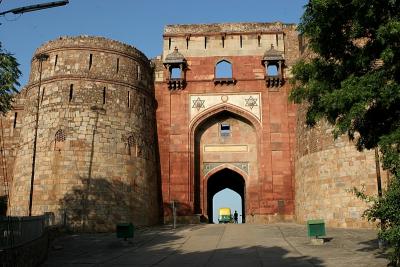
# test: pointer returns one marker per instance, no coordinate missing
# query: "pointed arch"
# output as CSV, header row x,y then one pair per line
x,y
229,167
196,179
223,69
223,178
200,118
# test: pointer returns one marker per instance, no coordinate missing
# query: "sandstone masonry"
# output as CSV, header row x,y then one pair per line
x,y
96,143
120,137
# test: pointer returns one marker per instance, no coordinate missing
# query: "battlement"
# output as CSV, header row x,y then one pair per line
x,y
229,28
92,57
93,42
231,39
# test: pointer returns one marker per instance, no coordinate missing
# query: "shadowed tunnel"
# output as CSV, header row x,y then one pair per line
x,y
221,180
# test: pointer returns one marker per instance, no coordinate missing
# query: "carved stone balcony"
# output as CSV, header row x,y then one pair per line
x,y
176,84
226,81
274,82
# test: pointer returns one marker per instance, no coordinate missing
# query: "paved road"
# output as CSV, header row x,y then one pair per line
x,y
219,245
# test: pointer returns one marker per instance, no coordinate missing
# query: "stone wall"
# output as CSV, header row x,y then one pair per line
x,y
325,171
95,158
10,128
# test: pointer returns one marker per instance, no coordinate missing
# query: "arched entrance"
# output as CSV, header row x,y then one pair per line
x,y
225,178
225,145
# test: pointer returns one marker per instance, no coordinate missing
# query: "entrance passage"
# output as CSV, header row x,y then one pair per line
x,y
229,199
221,180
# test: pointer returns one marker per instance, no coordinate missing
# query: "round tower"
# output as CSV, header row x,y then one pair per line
x,y
326,170
92,100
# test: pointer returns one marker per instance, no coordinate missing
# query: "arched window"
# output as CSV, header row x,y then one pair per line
x,y
59,139
272,70
223,69
131,144
59,136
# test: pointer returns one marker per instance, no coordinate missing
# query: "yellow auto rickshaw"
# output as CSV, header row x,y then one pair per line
x,y
225,215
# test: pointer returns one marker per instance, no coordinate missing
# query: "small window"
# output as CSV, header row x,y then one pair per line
x,y
15,119
175,73
117,65
223,69
71,92
59,139
272,70
129,99
131,146
41,98
259,40
241,41
55,61
90,61
169,43
225,129
187,42
59,136
223,41
205,42
138,74
104,95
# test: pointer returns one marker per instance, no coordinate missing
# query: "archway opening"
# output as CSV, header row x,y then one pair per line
x,y
224,138
223,179
227,198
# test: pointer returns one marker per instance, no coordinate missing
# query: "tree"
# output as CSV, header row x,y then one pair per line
x,y
9,74
351,79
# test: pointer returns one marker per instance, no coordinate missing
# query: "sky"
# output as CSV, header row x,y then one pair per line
x,y
136,22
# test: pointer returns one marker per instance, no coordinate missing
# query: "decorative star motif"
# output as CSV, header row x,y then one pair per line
x,y
198,103
251,102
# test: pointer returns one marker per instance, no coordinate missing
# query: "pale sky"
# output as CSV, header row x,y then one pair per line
x,y
136,22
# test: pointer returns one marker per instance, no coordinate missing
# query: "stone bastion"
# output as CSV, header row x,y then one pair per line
x,y
95,147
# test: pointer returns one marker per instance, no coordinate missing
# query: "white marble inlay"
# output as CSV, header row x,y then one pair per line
x,y
250,102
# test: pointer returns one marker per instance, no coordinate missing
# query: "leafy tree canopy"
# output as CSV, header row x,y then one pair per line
x,y
9,74
353,77
350,77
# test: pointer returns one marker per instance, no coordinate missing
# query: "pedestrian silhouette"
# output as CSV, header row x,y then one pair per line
x,y
235,216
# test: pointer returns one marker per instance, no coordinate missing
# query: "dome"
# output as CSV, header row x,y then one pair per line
x,y
273,54
174,58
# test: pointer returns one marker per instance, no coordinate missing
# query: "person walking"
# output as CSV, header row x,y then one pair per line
x,y
235,216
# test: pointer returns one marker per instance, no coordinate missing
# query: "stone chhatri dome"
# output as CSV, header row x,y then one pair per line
x,y
273,54
174,58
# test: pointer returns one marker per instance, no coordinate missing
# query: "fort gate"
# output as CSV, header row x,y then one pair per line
x,y
224,120
120,137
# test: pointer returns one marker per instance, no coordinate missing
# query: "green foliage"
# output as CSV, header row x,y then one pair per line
x,y
9,74
352,80
386,207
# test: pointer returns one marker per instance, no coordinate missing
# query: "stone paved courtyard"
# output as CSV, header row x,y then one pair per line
x,y
219,245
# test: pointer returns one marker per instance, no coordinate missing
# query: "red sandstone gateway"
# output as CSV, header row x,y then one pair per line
x,y
224,118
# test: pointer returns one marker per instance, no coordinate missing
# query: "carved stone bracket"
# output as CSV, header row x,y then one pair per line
x,y
273,82
223,81
176,83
